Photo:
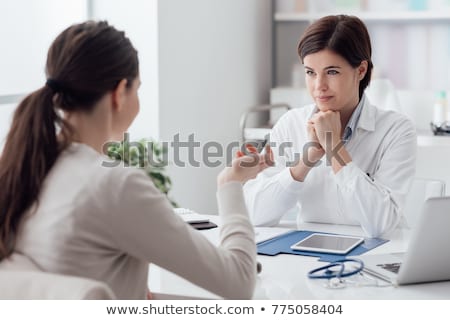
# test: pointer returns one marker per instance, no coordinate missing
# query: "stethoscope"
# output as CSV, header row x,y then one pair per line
x,y
336,270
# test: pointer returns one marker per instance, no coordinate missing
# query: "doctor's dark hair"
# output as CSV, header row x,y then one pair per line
x,y
344,35
84,62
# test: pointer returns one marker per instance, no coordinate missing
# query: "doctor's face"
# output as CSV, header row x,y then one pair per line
x,y
332,82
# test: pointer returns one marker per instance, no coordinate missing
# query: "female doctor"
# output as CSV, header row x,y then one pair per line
x,y
340,160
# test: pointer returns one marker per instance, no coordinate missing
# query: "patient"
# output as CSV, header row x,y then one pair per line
x,y
70,215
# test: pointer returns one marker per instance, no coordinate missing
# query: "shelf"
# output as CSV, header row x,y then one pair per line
x,y
425,139
11,98
408,16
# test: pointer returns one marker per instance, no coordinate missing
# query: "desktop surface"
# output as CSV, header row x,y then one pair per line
x,y
284,276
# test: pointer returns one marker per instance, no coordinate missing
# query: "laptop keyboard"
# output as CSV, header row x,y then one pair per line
x,y
392,267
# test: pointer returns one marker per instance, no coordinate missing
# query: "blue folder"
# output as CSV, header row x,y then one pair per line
x,y
283,243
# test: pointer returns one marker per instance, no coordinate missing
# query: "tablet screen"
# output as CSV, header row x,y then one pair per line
x,y
328,243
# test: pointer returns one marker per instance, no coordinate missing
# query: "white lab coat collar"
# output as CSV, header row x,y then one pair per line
x,y
367,119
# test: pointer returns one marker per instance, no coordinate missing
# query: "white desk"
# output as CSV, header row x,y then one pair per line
x,y
283,277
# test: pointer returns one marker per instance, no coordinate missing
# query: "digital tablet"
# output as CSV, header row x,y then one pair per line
x,y
328,243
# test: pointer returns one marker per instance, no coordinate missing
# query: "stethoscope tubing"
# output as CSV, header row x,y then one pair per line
x,y
328,274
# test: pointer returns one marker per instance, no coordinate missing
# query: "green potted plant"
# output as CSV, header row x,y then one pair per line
x,y
146,154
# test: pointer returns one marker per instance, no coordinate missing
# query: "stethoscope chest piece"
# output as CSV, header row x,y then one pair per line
x,y
335,283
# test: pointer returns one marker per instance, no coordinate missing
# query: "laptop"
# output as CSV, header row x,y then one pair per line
x,y
428,256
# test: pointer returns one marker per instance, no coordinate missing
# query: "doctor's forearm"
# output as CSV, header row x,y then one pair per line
x,y
340,159
268,199
371,204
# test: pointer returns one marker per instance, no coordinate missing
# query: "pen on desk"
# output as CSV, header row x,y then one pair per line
x,y
377,276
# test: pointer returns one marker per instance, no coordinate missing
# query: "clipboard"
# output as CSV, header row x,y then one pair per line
x,y
282,244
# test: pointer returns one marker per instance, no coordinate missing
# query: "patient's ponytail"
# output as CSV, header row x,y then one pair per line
x,y
30,151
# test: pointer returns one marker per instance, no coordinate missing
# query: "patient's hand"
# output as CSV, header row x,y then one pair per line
x,y
246,167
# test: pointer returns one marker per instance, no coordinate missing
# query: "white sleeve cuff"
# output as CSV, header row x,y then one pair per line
x,y
230,200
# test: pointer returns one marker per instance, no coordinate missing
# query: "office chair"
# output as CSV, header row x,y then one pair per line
x,y
258,136
21,279
421,189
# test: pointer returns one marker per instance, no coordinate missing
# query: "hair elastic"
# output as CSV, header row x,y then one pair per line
x,y
53,84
